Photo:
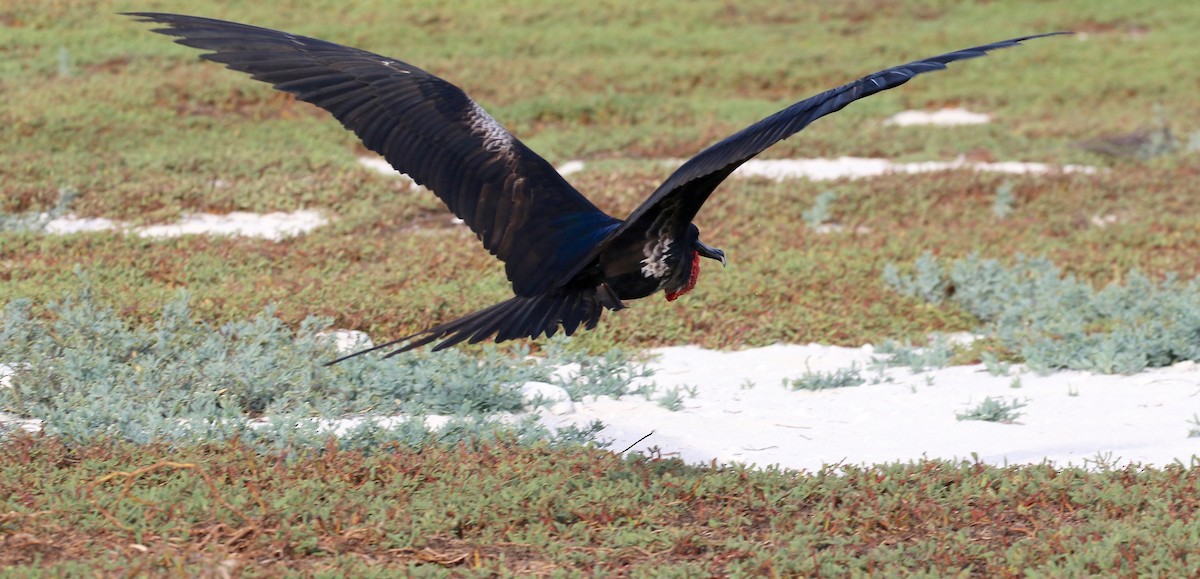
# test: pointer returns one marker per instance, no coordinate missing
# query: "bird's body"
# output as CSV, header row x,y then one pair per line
x,y
567,260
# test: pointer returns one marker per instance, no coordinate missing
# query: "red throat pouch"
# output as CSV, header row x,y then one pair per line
x,y
692,277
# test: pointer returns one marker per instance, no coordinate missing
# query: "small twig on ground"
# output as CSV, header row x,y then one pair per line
x,y
636,443
132,476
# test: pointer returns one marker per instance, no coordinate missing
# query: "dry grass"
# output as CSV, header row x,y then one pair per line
x,y
216,510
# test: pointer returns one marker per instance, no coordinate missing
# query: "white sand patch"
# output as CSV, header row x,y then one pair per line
x,y
570,167
9,421
343,426
823,169
831,228
381,166
861,167
346,341
943,118
1070,417
71,224
820,169
274,226
556,399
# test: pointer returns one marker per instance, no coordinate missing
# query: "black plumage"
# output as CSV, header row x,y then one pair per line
x,y
567,260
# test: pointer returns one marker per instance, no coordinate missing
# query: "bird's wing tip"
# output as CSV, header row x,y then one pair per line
x,y
1045,34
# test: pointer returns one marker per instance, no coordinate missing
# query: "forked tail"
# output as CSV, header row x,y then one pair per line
x,y
519,317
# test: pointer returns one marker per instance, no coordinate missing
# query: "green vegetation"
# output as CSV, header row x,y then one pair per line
x,y
503,508
818,215
994,410
840,378
88,374
937,354
1002,205
1053,321
101,118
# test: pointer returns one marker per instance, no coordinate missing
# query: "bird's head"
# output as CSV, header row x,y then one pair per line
x,y
690,268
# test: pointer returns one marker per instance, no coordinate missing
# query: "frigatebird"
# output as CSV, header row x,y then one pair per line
x,y
567,260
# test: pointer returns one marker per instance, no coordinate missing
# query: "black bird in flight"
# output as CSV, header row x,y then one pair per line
x,y
567,260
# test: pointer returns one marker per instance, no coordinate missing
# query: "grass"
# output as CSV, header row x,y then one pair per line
x,y
144,130
139,129
509,509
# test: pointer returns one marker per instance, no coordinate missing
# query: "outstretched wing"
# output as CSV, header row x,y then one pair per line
x,y
522,210
689,186
519,317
